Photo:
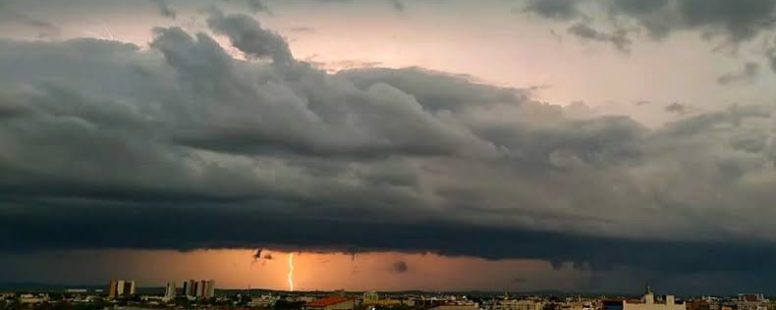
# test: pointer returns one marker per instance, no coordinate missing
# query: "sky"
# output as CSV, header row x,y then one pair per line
x,y
522,145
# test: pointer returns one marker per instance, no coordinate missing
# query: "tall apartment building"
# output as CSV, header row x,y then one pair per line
x,y
190,288
206,289
169,292
199,289
118,288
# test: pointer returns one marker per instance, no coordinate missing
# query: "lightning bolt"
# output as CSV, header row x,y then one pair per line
x,y
291,272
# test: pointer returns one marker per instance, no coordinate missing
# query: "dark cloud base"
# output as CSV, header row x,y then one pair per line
x,y
192,227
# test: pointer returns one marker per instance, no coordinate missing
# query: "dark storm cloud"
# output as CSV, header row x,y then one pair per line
x,y
740,19
747,74
732,22
158,227
107,145
247,35
618,38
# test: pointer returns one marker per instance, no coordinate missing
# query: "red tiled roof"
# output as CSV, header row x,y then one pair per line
x,y
328,301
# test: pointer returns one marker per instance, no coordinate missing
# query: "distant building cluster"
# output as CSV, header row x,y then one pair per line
x,y
203,294
647,302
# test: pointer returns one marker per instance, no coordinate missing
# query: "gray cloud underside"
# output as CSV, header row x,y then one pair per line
x,y
738,20
731,22
106,145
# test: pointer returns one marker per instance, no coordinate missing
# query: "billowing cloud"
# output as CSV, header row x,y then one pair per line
x,y
247,35
183,146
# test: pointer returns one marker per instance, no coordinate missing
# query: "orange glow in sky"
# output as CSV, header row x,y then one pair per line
x,y
238,268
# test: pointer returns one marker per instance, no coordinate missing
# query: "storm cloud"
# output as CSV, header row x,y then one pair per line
x,y
728,23
110,145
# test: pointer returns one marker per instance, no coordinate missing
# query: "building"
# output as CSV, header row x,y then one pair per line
x,y
751,302
113,289
199,289
206,289
648,303
456,307
189,288
751,297
370,297
169,291
119,288
33,298
521,304
331,303
373,299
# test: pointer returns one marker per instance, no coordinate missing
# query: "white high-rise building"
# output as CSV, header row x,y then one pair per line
x,y
190,288
169,292
206,289
199,289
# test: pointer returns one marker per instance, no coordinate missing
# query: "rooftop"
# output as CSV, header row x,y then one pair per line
x,y
328,301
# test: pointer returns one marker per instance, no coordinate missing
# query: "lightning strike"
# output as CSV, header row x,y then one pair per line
x,y
291,272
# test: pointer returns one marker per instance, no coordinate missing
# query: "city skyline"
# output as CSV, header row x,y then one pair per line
x,y
520,145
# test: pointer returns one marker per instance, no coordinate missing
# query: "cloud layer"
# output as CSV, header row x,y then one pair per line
x,y
183,146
